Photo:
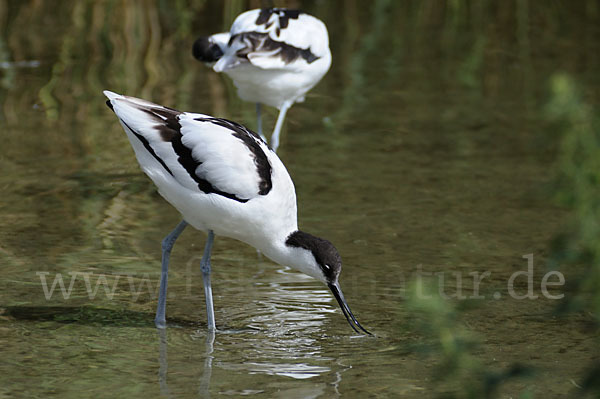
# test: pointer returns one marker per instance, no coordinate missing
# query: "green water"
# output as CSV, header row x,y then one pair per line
x,y
423,150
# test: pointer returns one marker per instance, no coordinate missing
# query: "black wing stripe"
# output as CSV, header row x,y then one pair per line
x,y
263,42
149,148
188,162
250,139
170,131
144,142
284,16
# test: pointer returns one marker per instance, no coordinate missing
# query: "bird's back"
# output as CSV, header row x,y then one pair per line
x,y
292,27
218,174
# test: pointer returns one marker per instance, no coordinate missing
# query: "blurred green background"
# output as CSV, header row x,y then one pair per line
x,y
450,137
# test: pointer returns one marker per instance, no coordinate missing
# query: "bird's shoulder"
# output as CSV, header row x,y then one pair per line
x,y
278,38
202,153
228,155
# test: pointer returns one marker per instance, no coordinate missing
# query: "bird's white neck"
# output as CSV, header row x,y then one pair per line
x,y
299,259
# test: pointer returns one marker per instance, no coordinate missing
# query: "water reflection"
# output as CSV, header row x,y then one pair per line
x,y
163,361
292,302
296,370
436,155
288,315
283,338
204,389
205,379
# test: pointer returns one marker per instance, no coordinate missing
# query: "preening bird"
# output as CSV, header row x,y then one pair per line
x,y
224,180
273,55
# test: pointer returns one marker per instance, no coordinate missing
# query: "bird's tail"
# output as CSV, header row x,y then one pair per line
x,y
143,117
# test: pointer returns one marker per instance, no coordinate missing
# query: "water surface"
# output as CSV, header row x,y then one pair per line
x,y
423,150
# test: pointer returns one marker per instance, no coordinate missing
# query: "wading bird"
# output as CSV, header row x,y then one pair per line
x,y
224,180
274,56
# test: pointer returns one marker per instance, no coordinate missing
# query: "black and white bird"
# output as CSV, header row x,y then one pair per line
x,y
224,180
274,56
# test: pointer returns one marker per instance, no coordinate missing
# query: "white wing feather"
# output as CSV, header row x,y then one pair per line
x,y
223,159
305,32
227,162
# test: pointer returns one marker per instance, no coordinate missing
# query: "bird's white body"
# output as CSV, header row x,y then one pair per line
x,y
262,221
270,68
223,179
273,89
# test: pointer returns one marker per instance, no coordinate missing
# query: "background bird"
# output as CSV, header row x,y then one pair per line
x,y
274,56
224,180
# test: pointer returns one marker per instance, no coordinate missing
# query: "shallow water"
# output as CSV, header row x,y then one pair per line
x,y
423,150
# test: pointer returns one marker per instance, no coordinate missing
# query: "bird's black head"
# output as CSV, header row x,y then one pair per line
x,y
329,261
326,255
205,50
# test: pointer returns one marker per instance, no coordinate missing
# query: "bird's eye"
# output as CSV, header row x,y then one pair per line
x,y
326,267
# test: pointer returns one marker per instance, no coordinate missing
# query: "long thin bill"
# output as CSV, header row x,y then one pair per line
x,y
337,293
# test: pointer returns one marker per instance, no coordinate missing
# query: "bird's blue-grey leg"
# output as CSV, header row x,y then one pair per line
x,y
259,122
167,245
205,266
278,125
